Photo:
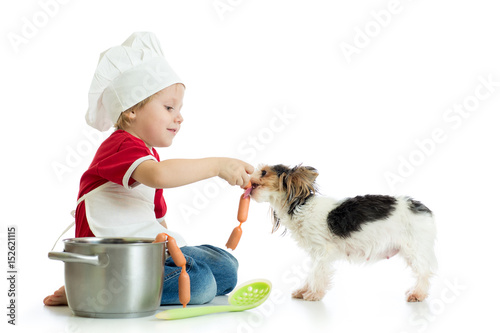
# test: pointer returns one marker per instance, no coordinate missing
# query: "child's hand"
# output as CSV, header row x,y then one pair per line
x,y
234,171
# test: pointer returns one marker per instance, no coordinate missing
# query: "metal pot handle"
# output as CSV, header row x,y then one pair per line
x,y
96,260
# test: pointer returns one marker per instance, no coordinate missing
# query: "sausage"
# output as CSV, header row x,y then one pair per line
x,y
161,238
243,208
184,287
175,252
234,239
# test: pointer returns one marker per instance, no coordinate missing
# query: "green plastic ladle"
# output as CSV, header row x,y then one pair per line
x,y
247,296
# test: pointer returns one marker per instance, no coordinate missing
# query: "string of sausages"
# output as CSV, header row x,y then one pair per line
x,y
234,239
180,261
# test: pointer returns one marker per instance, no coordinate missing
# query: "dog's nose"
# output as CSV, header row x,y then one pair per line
x,y
254,185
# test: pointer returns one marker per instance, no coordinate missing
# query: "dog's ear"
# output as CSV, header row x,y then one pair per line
x,y
298,184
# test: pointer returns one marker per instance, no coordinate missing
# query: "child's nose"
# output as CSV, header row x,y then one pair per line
x,y
179,118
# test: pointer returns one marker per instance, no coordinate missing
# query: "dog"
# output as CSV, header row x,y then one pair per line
x,y
361,229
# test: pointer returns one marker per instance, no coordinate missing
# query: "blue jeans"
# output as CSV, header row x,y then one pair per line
x,y
212,271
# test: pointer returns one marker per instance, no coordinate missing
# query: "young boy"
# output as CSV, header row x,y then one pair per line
x,y
121,194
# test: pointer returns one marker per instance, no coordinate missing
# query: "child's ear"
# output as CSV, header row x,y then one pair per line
x,y
125,119
129,116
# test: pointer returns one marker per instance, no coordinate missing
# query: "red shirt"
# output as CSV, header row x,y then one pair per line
x,y
112,162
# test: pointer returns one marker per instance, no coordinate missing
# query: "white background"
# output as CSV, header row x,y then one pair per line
x,y
356,118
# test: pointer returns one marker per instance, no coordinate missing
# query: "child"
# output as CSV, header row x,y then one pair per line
x,y
121,193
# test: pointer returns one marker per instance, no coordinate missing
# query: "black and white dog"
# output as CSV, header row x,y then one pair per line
x,y
359,229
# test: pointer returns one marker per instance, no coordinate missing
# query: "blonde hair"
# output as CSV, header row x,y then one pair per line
x,y
124,119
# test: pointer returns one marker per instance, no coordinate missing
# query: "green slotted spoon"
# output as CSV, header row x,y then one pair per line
x,y
246,296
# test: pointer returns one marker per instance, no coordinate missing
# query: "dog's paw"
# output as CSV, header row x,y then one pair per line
x,y
413,296
299,293
313,296
308,295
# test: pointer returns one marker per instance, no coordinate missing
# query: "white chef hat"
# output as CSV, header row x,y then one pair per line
x,y
126,75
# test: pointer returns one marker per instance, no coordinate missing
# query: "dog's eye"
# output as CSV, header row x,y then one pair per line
x,y
263,173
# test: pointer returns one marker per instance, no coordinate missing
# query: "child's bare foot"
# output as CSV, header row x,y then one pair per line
x,y
59,298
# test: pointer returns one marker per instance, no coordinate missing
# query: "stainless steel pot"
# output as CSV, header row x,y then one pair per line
x,y
113,277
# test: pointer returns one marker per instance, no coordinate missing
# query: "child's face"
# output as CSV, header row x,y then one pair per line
x,y
157,122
